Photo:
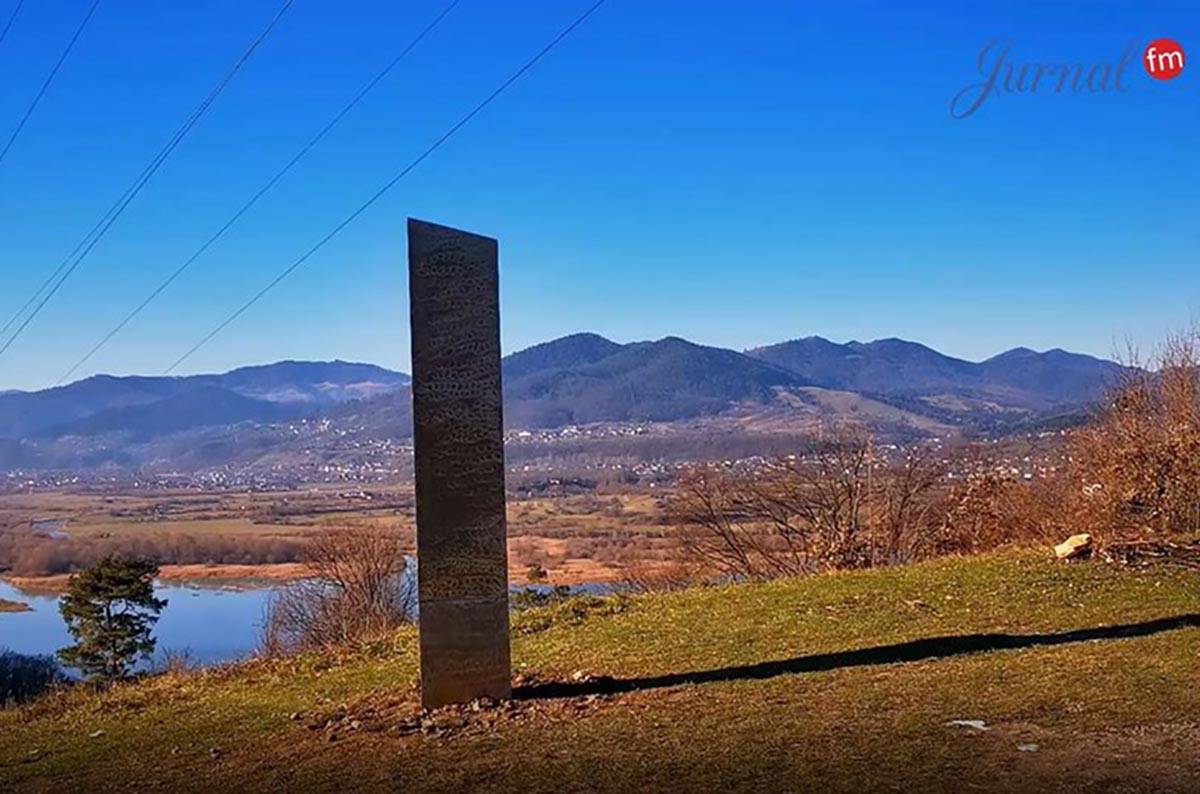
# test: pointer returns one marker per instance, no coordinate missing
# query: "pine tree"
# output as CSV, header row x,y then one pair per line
x,y
110,609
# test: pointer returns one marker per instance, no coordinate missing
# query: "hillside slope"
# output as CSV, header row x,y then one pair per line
x,y
643,381
201,407
575,350
838,683
1018,379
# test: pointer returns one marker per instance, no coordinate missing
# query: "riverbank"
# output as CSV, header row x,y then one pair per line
x,y
1003,672
570,572
576,539
209,575
13,606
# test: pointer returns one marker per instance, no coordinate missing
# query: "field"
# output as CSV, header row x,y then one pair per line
x,y
1083,677
574,538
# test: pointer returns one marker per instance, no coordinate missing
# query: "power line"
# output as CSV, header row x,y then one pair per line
x,y
390,183
11,19
366,89
49,78
46,283
84,247
49,279
106,222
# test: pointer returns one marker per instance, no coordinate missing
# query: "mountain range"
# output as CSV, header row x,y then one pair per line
x,y
579,379
109,402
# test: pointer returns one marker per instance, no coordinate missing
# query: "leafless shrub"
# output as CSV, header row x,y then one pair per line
x,y
990,505
1131,477
905,501
528,551
844,505
360,589
644,576
177,662
1137,466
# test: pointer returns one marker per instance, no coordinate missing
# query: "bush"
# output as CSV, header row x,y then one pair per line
x,y
1136,467
643,576
361,588
23,678
843,506
533,598
989,506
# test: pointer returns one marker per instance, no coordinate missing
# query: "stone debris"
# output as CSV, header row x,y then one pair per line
x,y
598,681
526,678
403,714
973,725
1027,748
1074,547
483,715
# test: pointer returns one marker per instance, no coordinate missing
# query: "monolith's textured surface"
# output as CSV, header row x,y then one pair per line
x,y
459,460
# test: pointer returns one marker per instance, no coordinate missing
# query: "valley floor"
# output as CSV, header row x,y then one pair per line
x,y
249,538
1083,677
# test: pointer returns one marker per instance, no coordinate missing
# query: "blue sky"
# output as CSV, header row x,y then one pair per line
x,y
734,173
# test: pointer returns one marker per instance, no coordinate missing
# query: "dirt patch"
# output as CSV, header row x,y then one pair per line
x,y
1160,757
400,714
569,571
190,573
42,585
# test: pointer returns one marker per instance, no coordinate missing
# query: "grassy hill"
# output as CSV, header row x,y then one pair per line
x,y
1087,677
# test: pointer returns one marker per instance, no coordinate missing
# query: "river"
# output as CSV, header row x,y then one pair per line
x,y
212,624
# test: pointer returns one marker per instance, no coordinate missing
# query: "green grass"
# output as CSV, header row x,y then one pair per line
x,y
1105,714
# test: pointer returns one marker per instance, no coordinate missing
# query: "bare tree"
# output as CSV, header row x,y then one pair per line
x,y
907,506
360,588
843,505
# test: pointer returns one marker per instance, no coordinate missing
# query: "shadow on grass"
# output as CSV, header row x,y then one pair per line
x,y
914,651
